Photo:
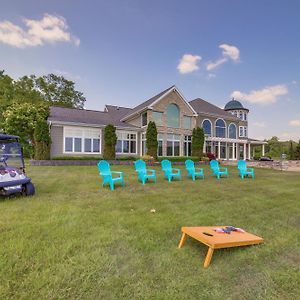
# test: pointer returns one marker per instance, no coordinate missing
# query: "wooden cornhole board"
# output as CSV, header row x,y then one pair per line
x,y
218,240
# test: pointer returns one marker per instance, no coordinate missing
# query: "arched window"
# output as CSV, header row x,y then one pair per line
x,y
220,128
173,116
206,125
232,131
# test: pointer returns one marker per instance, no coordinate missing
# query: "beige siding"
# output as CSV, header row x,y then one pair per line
x,y
57,135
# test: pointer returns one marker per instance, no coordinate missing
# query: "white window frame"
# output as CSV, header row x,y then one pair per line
x,y
243,131
235,130
186,142
215,128
211,127
145,112
136,141
173,140
85,134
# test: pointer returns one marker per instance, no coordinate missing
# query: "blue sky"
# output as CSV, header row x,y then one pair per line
x,y
123,52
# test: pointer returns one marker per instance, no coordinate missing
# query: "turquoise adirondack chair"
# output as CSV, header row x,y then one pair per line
x,y
216,170
243,170
170,172
192,171
107,174
143,173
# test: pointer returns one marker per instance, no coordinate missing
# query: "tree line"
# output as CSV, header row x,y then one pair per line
x,y
24,108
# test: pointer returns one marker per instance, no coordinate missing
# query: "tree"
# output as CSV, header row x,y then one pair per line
x,y
197,142
42,140
297,151
291,151
57,90
21,120
151,139
110,140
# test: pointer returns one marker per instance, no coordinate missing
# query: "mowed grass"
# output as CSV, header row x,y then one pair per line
x,y
76,240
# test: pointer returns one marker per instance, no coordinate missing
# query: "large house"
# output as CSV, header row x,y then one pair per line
x,y
81,132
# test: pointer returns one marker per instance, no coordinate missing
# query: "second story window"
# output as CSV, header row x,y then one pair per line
x,y
187,122
157,118
220,128
206,125
243,131
144,119
232,131
173,115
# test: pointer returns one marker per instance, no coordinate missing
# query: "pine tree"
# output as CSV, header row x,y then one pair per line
x,y
42,140
110,140
197,142
291,151
297,152
151,140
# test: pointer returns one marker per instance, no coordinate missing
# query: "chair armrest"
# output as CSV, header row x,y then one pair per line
x,y
199,169
177,170
250,169
151,171
224,169
116,172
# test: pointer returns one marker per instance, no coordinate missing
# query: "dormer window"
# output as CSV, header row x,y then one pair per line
x,y
144,119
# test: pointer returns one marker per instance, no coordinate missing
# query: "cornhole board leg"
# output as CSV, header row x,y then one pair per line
x,y
182,240
208,257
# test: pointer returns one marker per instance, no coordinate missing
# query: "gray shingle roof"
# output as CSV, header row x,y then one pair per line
x,y
202,106
234,104
146,103
73,115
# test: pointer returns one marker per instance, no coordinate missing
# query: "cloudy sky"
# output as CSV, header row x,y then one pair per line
x,y
123,52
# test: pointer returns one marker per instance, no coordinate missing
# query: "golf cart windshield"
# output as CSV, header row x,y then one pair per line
x,y
11,154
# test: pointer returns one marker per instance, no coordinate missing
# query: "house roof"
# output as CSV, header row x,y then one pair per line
x,y
203,107
146,103
112,115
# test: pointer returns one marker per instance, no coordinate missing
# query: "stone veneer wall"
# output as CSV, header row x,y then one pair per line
x,y
276,164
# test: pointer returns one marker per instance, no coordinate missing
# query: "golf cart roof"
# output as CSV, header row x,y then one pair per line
x,y
8,137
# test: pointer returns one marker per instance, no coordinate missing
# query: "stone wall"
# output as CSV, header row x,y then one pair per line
x,y
276,164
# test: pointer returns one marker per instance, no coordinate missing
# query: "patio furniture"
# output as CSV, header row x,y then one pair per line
x,y
192,171
243,170
215,240
107,174
169,172
216,170
143,173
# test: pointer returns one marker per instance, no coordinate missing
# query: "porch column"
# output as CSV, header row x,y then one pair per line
x,y
263,150
249,151
233,150
204,146
219,152
245,152
253,151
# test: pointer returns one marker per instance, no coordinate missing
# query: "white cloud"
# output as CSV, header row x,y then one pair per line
x,y
188,63
229,53
286,136
50,29
212,65
265,96
295,123
259,124
294,82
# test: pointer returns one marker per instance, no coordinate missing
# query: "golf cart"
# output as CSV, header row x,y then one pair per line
x,y
12,170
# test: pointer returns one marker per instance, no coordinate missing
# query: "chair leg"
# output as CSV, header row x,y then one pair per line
x,y
182,240
208,257
112,186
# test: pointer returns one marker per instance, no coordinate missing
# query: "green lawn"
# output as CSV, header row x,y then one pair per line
x,y
77,240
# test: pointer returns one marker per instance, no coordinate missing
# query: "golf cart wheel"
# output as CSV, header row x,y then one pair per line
x,y
29,189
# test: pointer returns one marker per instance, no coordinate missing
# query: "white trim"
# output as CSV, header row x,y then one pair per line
x,y
180,94
220,127
82,137
236,133
211,126
136,142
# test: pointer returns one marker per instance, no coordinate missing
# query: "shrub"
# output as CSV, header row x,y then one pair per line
x,y
197,142
42,140
179,158
151,140
147,158
211,156
110,140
